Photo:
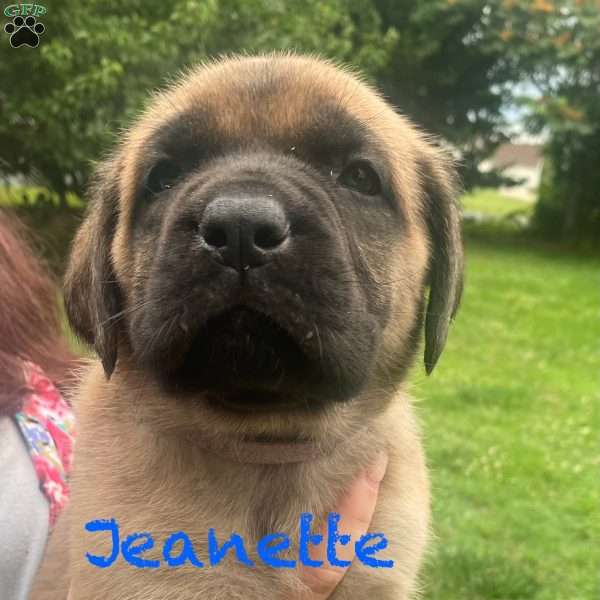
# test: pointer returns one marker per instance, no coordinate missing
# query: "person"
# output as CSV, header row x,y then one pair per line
x,y
36,423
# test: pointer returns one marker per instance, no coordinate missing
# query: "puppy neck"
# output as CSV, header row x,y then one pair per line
x,y
257,451
262,452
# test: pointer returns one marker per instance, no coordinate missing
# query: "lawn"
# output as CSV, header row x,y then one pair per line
x,y
492,204
31,195
510,418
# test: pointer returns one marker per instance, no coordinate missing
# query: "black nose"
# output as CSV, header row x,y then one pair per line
x,y
244,231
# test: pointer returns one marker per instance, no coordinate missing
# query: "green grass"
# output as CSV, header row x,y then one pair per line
x,y
511,420
24,196
492,204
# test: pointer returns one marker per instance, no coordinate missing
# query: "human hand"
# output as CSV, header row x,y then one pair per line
x,y
356,509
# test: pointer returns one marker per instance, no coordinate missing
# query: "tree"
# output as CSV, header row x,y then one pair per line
x,y
62,102
447,73
556,47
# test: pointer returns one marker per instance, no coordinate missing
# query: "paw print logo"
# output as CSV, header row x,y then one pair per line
x,y
24,32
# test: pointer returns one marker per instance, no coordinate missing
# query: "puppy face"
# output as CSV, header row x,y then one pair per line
x,y
264,236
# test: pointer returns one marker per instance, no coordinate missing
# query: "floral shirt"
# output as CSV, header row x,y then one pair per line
x,y
48,427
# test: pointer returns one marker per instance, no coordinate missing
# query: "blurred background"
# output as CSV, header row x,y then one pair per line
x,y
512,87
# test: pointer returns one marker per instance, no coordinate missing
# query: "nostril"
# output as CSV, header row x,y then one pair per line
x,y
215,236
268,237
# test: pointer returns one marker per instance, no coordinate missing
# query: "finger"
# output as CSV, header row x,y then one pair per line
x,y
358,504
356,509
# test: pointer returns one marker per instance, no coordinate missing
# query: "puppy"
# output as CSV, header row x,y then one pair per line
x,y
253,273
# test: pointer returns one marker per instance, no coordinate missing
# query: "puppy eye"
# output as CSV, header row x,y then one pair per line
x,y
162,176
361,176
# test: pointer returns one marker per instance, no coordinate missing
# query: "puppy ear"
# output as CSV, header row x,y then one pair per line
x,y
92,294
446,262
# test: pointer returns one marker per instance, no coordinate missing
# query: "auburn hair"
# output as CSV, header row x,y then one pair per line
x,y
30,325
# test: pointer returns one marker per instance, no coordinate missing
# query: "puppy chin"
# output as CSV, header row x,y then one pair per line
x,y
243,360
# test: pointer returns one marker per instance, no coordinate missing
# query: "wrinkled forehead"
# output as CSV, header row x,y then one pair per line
x,y
286,102
321,129
258,98
312,109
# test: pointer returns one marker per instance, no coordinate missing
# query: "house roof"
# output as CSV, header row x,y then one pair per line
x,y
527,155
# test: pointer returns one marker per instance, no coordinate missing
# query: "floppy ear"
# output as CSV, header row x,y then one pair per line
x,y
92,294
446,262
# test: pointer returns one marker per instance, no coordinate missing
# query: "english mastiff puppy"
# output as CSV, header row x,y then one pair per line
x,y
259,257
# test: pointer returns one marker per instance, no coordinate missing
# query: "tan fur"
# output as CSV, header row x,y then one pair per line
x,y
137,459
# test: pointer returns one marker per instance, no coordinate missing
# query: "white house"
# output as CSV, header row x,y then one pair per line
x,y
520,161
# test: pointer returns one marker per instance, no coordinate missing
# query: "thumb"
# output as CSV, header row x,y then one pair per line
x,y
356,508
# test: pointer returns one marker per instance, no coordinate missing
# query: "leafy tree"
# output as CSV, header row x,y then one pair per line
x,y
458,62
62,101
555,46
97,63
448,73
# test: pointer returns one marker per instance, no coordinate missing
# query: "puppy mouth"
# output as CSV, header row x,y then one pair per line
x,y
242,359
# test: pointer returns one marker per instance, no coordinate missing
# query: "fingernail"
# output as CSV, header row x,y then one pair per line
x,y
376,471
